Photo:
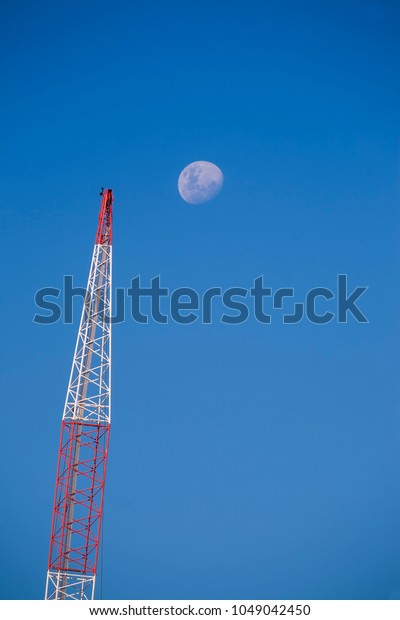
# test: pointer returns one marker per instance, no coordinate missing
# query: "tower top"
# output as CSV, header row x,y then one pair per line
x,y
104,228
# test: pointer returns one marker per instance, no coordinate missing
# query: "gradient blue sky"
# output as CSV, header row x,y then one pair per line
x,y
249,461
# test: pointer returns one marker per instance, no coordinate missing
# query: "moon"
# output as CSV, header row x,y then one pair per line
x,y
199,182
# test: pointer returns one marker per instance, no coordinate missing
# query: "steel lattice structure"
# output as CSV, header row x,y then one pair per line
x,y
85,431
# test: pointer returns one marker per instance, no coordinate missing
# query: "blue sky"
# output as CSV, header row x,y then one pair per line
x,y
248,461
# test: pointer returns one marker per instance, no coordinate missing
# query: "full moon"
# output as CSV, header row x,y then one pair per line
x,y
199,182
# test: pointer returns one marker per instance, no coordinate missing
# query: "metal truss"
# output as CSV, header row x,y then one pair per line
x,y
68,586
83,451
88,395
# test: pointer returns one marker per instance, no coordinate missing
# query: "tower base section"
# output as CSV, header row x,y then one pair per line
x,y
62,585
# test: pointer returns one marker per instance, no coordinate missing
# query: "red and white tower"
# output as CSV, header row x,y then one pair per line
x,y
85,431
